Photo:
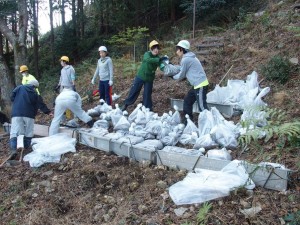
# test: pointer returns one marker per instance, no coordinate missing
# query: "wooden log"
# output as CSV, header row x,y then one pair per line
x,y
210,45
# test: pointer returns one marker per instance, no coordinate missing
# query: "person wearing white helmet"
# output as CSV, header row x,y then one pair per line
x,y
192,69
25,102
145,77
105,73
67,75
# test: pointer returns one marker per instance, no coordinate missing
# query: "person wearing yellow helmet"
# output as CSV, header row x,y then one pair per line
x,y
191,68
67,75
26,78
145,76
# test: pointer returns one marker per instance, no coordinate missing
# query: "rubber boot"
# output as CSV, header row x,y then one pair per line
x,y
27,142
13,148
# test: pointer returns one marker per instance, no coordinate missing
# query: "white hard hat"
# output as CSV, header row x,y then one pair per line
x,y
102,48
184,44
34,82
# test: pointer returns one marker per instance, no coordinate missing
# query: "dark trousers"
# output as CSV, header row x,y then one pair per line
x,y
105,91
135,91
192,96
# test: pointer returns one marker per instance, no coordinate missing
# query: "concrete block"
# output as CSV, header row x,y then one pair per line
x,y
94,140
133,152
267,177
226,110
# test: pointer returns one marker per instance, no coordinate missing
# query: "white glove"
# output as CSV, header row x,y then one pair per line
x,y
176,77
110,83
93,81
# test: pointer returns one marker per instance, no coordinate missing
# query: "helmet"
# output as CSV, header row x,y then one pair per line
x,y
152,43
23,68
64,58
102,48
184,44
34,82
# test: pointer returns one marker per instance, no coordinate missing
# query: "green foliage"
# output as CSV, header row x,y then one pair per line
x,y
276,127
293,218
130,69
202,216
244,21
265,20
294,29
129,37
277,69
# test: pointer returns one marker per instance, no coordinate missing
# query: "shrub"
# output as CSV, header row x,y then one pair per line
x,y
277,69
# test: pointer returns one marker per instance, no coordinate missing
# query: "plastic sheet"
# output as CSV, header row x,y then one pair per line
x,y
205,185
49,149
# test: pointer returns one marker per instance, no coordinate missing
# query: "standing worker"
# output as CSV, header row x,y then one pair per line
x,y
192,69
145,77
24,109
26,77
68,99
67,75
105,72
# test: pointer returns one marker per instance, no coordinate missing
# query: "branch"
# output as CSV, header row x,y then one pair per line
x,y
7,32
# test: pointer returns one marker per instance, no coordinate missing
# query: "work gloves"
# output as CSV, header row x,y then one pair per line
x,y
110,83
176,77
93,81
164,58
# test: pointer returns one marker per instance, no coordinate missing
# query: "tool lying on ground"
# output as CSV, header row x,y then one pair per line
x,y
12,156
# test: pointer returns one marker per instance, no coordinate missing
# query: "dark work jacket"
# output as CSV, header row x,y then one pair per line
x,y
25,101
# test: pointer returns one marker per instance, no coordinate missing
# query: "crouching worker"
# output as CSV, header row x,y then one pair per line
x,y
25,102
68,99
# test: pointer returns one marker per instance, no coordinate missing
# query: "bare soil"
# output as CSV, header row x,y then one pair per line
x,y
92,187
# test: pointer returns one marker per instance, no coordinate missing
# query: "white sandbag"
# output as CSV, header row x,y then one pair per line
x,y
205,141
205,185
130,139
151,144
171,70
49,149
222,154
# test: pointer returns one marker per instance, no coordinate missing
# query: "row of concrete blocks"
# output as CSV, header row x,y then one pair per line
x,y
267,177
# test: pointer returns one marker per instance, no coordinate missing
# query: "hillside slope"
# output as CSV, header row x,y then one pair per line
x,y
91,187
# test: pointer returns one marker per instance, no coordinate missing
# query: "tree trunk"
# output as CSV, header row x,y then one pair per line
x,y
18,41
6,84
63,15
51,32
35,6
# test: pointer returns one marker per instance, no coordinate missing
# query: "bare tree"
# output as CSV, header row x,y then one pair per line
x,y
17,38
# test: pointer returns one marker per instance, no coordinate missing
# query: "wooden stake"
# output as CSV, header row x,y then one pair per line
x,y
225,74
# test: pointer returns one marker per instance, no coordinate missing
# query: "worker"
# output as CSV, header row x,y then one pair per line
x,y
24,109
105,73
26,77
191,69
68,99
67,75
145,76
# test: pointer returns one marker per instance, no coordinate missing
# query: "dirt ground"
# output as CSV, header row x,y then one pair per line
x,y
93,187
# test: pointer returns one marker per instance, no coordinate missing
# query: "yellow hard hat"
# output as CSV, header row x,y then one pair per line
x,y
152,43
64,58
23,68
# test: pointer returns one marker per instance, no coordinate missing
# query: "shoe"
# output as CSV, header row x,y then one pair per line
x,y
91,123
123,107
